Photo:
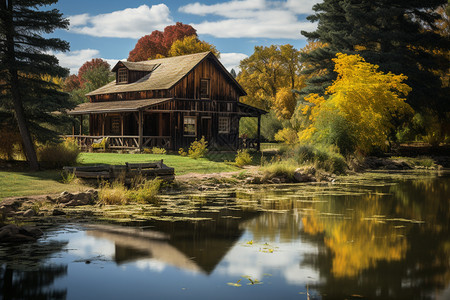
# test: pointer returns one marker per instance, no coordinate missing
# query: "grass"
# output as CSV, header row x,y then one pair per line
x,y
182,165
14,184
23,183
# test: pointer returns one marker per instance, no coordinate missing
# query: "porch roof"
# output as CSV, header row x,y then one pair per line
x,y
114,106
250,111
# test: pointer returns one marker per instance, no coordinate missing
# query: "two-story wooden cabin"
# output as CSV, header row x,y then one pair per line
x,y
167,102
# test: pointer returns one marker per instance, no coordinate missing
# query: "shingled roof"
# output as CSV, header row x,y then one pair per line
x,y
164,74
115,106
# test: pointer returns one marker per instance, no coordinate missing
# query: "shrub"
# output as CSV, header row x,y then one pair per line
x,y
182,152
287,135
243,158
198,149
58,155
156,150
11,142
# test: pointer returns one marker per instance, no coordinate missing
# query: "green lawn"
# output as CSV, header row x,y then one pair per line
x,y
49,182
182,165
33,183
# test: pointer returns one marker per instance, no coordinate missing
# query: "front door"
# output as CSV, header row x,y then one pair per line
x,y
206,128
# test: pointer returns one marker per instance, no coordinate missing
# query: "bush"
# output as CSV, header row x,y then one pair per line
x,y
155,150
11,142
198,149
287,135
182,152
243,158
58,155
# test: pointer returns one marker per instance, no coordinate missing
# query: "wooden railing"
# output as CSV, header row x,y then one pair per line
x,y
246,143
124,142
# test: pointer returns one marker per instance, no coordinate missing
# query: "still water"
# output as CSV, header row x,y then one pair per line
x,y
386,236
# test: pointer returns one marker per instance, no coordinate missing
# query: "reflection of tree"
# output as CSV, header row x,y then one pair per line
x,y
390,259
23,275
17,284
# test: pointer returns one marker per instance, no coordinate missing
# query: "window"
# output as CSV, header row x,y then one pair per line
x,y
224,125
229,106
190,126
204,88
122,75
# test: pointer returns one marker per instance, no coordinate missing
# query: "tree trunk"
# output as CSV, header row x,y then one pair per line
x,y
14,81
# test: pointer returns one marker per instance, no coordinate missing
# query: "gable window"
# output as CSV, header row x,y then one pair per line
x,y
122,75
204,89
190,126
224,125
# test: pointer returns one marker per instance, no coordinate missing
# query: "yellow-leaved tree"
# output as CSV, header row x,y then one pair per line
x,y
366,99
191,45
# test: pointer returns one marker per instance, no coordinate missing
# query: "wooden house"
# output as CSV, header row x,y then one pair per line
x,y
168,103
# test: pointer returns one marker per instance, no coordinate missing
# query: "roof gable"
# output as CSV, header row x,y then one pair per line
x,y
164,73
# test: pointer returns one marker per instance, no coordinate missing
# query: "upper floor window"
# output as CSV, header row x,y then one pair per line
x,y
122,75
204,89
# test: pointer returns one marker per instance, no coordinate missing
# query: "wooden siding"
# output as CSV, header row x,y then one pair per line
x,y
220,86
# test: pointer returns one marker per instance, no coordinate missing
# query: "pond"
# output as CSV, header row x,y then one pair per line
x,y
383,236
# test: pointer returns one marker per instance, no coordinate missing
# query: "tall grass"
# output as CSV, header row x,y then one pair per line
x,y
322,157
117,193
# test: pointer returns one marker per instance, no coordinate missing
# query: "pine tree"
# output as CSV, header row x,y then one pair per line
x,y
397,35
29,95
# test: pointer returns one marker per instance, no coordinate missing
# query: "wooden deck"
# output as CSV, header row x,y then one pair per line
x,y
128,171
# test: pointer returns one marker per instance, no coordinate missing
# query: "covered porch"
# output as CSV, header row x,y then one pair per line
x,y
126,124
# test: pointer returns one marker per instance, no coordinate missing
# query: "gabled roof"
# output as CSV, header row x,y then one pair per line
x,y
164,73
114,106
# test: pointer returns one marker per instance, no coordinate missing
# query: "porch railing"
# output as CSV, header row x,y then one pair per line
x,y
124,142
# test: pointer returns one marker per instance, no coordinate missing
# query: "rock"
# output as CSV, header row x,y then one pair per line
x,y
305,174
29,213
15,234
276,180
57,212
82,198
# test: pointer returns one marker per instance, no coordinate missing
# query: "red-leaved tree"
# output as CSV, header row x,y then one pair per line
x,y
149,46
90,65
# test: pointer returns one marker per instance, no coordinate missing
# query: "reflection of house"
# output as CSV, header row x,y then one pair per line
x,y
195,246
168,103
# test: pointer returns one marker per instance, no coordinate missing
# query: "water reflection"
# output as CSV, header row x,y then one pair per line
x,y
383,238
23,274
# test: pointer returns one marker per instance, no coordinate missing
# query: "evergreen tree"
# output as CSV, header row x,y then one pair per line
x,y
30,95
397,35
233,73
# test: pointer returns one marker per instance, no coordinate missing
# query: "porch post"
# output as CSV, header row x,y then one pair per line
x,y
121,124
81,124
103,124
141,129
258,142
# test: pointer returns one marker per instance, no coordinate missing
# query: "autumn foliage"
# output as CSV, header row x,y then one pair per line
x,y
158,43
366,98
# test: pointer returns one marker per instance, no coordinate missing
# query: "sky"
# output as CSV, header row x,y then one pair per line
x,y
109,29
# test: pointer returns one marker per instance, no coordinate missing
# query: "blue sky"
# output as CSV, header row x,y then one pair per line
x,y
110,29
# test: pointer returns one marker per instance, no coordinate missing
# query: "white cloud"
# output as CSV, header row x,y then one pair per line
x,y
75,59
253,18
232,60
127,23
